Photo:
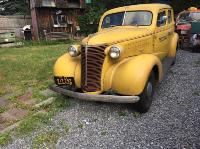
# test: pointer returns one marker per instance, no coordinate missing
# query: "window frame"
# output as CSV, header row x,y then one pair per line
x,y
124,17
169,18
161,11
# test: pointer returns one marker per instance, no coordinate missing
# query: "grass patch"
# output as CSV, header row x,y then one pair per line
x,y
197,64
122,113
31,68
46,43
46,140
104,132
35,121
28,67
5,138
196,93
2,109
172,72
80,125
65,127
136,114
31,123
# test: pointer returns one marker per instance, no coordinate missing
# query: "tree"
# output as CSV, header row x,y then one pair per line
x,y
89,21
10,7
184,4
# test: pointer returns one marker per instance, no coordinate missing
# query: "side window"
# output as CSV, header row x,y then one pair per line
x,y
169,16
161,20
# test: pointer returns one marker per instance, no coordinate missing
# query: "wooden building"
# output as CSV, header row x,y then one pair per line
x,y
55,19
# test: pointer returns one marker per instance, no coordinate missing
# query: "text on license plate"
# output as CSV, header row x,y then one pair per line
x,y
69,81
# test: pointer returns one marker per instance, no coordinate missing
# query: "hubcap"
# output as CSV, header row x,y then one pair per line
x,y
149,89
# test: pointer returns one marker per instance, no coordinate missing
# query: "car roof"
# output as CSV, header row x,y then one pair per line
x,y
155,7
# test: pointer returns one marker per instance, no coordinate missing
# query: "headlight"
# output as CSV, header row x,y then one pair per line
x,y
114,52
74,51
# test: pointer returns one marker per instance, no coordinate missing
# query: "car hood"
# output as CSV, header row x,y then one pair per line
x,y
116,35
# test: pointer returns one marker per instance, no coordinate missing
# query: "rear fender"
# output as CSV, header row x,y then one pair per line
x,y
173,45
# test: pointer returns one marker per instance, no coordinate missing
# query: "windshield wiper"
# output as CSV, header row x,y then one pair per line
x,y
113,25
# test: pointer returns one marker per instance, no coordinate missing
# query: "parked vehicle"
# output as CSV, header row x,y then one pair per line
x,y
188,27
7,37
124,60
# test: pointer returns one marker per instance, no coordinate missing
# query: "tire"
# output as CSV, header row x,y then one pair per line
x,y
146,97
182,45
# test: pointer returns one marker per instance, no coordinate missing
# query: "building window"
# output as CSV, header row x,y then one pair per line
x,y
60,21
48,3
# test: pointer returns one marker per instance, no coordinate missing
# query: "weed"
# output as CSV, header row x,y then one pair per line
x,y
197,93
172,72
136,114
46,140
5,138
104,132
2,109
80,125
197,64
122,113
64,126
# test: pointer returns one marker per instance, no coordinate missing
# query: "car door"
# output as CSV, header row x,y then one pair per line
x,y
161,37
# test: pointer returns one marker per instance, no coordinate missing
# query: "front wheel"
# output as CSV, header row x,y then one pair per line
x,y
146,97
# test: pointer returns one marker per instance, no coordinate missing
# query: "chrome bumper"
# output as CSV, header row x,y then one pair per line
x,y
94,97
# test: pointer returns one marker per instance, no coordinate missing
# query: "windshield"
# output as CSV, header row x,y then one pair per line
x,y
193,16
131,18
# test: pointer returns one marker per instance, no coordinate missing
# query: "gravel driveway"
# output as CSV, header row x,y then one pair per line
x,y
172,122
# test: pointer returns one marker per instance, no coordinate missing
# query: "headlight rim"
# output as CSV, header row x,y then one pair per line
x,y
119,54
77,52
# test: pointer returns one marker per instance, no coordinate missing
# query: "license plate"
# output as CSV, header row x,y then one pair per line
x,y
64,81
183,32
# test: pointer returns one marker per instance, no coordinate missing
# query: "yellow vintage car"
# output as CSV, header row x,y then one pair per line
x,y
124,60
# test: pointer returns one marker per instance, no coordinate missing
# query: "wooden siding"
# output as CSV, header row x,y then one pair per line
x,y
58,4
42,22
14,23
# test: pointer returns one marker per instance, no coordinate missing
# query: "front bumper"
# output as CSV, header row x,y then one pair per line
x,y
94,97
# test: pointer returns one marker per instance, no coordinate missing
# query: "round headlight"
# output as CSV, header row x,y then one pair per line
x,y
114,52
73,51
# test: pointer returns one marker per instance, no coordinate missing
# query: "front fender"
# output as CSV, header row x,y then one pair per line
x,y
129,76
68,67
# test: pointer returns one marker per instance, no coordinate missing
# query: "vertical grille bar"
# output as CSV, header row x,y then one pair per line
x,y
92,58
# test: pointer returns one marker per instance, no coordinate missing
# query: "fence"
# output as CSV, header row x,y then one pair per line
x,y
14,23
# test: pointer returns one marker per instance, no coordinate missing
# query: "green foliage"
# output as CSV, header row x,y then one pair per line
x,y
46,140
89,21
184,4
5,138
2,109
10,7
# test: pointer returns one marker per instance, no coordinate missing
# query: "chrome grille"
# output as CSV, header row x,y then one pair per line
x,y
92,58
